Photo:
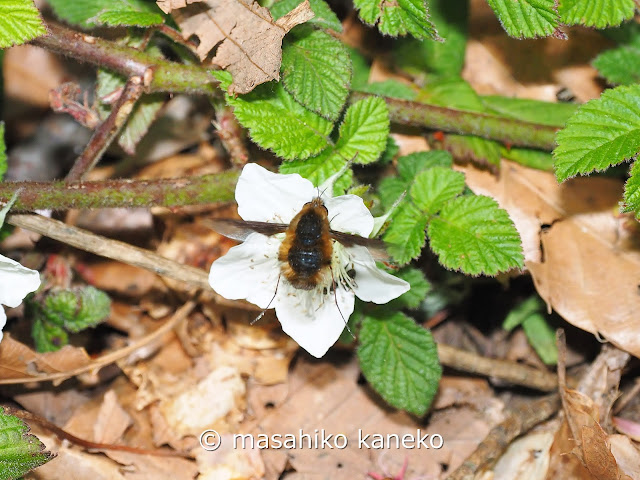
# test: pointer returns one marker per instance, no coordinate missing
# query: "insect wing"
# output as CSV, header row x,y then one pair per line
x,y
376,247
239,230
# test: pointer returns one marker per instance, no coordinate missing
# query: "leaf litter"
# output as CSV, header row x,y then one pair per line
x,y
215,370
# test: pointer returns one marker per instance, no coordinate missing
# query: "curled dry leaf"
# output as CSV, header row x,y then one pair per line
x,y
580,252
248,40
18,361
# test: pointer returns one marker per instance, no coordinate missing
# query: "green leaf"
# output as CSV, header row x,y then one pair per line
x,y
316,70
19,22
474,235
323,15
89,13
320,168
436,186
437,59
277,122
3,152
390,88
595,13
451,93
603,132
474,149
527,18
535,111
529,158
542,338
410,165
400,361
521,312
94,307
405,236
20,452
364,131
632,191
47,336
400,17
361,69
390,189
620,66
419,288
390,151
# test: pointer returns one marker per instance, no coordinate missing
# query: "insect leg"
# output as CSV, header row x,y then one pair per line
x,y
335,296
270,302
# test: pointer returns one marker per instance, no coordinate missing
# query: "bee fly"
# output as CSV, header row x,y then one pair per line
x,y
307,249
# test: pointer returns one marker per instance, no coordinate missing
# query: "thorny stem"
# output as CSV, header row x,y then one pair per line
x,y
107,130
513,132
166,192
167,76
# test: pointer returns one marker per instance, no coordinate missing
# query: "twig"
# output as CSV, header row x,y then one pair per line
x,y
165,192
64,435
508,130
128,61
111,357
510,371
120,251
107,131
522,419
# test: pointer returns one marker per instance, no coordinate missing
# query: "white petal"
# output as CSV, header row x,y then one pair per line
x,y
347,213
3,321
264,196
315,325
248,271
373,284
16,282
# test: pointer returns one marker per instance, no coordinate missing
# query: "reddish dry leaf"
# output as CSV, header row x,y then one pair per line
x,y
248,41
17,360
597,454
591,264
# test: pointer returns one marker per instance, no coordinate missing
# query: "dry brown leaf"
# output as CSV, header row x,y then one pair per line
x,y
591,265
119,277
112,420
526,459
597,454
228,463
17,360
248,41
627,455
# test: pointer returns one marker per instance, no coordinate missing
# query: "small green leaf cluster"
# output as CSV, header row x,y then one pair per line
x,y
20,451
110,13
531,316
63,311
468,233
20,22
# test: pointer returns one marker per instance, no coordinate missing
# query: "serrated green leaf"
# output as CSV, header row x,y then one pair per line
x,y
595,13
47,336
323,15
390,189
279,123
19,22
390,88
89,13
527,18
474,235
416,294
410,165
434,187
535,111
405,236
60,307
451,93
361,69
541,337
602,133
620,66
632,191
3,152
437,59
400,361
320,168
225,78
316,70
400,17
364,131
390,151
20,451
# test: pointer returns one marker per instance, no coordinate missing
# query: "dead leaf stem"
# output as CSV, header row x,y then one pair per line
x,y
106,132
507,130
520,420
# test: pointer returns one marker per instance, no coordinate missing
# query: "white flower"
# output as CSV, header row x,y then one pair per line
x,y
313,318
16,282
